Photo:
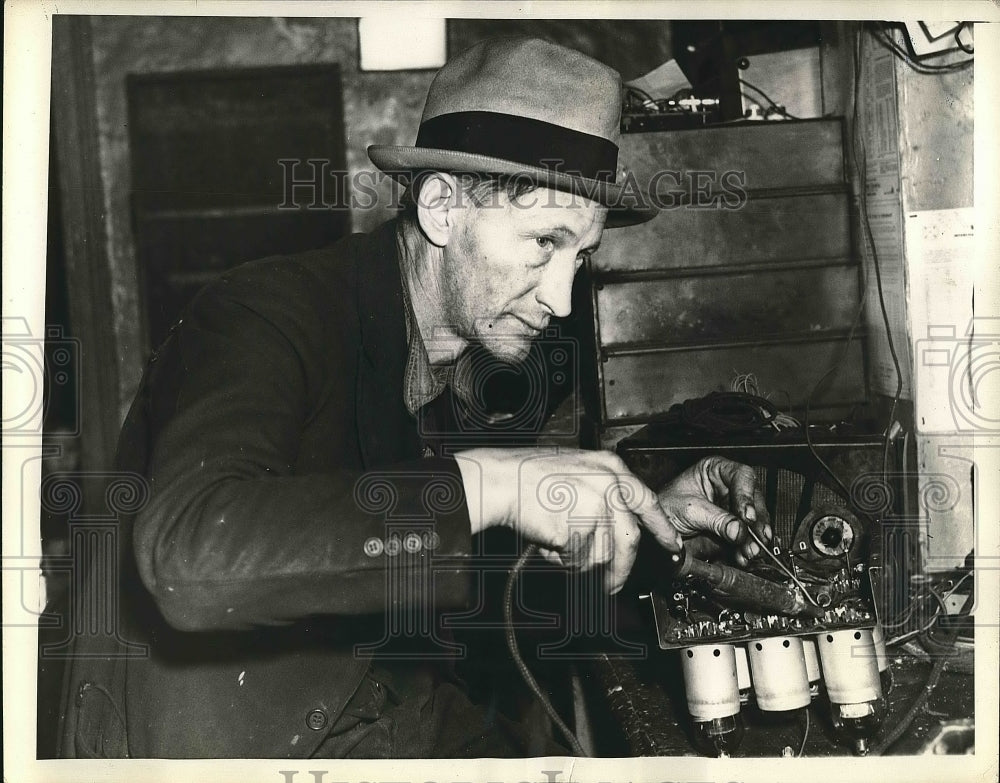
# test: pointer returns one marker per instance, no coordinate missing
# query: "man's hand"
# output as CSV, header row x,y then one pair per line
x,y
583,508
719,497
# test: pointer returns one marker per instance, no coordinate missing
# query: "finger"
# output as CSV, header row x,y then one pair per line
x,y
703,515
622,544
577,552
641,501
551,556
702,547
740,482
763,524
748,551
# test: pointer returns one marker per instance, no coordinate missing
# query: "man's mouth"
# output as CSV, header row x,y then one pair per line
x,y
536,329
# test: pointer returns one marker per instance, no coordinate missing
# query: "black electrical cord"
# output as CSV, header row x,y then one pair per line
x,y
779,109
645,96
862,161
958,39
855,323
645,100
837,366
944,656
728,413
882,35
522,667
862,168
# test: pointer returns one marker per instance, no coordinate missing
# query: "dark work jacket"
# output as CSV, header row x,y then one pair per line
x,y
280,460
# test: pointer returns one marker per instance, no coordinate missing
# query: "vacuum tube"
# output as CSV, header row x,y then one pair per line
x,y
850,671
713,697
780,680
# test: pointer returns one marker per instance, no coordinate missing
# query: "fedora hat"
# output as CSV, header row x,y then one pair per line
x,y
528,108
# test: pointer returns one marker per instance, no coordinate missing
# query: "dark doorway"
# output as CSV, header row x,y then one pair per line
x,y
213,157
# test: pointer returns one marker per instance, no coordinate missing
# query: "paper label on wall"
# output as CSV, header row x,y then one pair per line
x,y
950,467
940,245
882,194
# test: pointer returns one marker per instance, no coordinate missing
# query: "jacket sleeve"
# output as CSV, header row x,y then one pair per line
x,y
233,536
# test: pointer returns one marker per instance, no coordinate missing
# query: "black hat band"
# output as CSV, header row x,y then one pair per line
x,y
522,140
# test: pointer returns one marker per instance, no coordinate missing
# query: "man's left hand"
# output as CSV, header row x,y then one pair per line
x,y
718,497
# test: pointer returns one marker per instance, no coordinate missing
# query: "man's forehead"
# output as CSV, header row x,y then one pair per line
x,y
561,212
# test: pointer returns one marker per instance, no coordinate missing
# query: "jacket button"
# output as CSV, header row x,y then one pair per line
x,y
412,543
316,719
431,540
374,547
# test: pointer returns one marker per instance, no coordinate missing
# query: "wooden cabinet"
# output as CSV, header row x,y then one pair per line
x,y
749,269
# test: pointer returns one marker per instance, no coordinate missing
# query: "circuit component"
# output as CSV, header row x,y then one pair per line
x,y
694,614
798,615
831,535
820,583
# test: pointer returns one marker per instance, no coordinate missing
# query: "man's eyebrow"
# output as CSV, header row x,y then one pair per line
x,y
566,231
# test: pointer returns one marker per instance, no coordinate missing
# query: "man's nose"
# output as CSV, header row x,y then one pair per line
x,y
555,289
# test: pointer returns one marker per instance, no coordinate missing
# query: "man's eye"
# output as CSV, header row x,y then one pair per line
x,y
545,243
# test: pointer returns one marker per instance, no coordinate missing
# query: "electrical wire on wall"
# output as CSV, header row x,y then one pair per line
x,y
883,33
861,161
861,167
958,38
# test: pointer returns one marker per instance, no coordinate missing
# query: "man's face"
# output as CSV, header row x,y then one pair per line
x,y
510,265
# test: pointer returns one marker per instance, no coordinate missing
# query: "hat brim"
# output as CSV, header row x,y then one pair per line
x,y
627,206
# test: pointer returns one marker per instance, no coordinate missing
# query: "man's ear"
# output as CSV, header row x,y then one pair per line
x,y
437,201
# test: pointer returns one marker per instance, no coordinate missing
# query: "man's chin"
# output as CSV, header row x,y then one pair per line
x,y
508,349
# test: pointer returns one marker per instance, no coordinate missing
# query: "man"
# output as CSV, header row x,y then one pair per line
x,y
296,432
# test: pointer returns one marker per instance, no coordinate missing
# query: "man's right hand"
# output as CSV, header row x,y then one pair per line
x,y
583,508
